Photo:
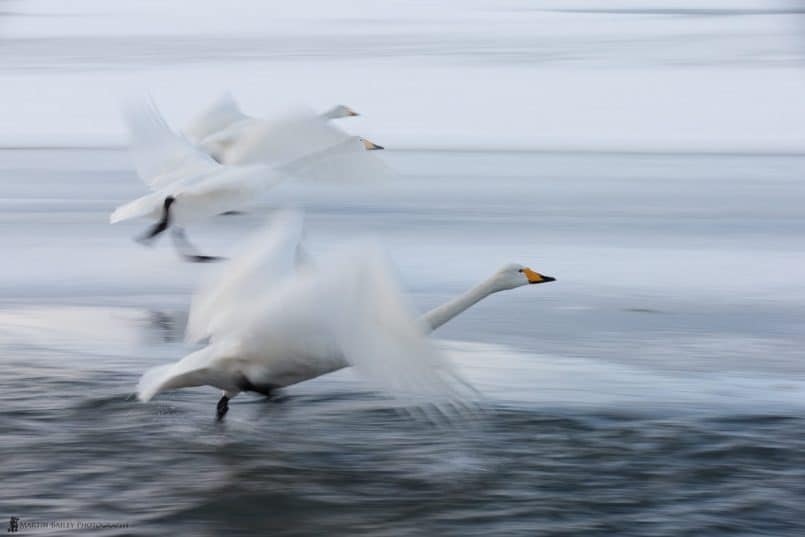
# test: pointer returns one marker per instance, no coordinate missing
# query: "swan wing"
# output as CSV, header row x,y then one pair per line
x,y
230,188
265,260
205,367
345,161
149,205
350,310
197,197
160,155
285,139
218,143
223,112
377,330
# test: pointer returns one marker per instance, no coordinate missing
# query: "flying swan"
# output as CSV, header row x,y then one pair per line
x,y
228,135
188,185
270,323
225,112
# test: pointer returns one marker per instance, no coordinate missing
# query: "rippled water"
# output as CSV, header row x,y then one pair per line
x,y
657,388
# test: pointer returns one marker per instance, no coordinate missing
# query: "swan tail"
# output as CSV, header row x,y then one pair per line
x,y
195,369
148,205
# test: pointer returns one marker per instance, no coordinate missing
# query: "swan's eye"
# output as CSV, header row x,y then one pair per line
x,y
520,270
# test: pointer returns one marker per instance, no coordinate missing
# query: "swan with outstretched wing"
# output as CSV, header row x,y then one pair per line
x,y
231,137
224,114
188,185
271,322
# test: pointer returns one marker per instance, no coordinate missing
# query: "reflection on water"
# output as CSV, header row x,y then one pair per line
x,y
85,326
168,325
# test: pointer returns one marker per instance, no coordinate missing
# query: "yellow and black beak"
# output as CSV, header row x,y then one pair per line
x,y
370,146
536,277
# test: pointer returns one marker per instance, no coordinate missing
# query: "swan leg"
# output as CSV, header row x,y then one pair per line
x,y
186,249
159,227
222,408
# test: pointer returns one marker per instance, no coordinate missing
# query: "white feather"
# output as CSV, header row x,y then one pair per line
x,y
172,166
264,262
149,205
222,113
160,155
308,322
296,134
205,366
344,162
301,142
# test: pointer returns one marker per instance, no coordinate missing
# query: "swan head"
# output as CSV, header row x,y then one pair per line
x,y
340,111
370,146
514,275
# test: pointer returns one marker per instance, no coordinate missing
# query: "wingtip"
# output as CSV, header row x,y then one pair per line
x,y
119,214
145,393
152,382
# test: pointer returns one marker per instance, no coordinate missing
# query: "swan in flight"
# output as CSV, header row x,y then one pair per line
x,y
225,112
231,137
270,323
188,185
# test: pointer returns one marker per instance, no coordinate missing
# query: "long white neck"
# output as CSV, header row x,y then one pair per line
x,y
441,314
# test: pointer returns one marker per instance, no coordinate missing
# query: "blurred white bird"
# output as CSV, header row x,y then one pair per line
x,y
188,185
224,113
231,137
271,323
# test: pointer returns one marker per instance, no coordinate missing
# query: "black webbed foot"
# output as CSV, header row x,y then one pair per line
x,y
222,408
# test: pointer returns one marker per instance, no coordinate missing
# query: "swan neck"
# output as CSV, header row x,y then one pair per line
x,y
441,314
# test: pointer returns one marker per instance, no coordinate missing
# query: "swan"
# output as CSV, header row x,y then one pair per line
x,y
292,135
188,185
270,323
225,112
231,137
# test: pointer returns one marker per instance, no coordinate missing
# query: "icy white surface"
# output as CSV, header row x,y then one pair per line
x,y
701,76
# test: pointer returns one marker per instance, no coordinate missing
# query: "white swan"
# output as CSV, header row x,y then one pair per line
x,y
260,141
271,324
225,112
188,185
231,137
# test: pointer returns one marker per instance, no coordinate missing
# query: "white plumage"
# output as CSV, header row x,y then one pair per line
x,y
271,321
172,166
232,137
219,115
188,185
272,324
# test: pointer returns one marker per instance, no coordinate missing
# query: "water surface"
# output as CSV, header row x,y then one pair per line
x,y
657,388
